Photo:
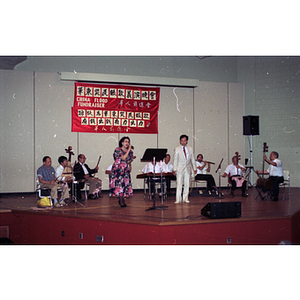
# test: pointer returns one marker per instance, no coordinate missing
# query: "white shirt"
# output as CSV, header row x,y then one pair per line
x,y
233,170
167,168
86,172
276,170
149,168
203,171
58,172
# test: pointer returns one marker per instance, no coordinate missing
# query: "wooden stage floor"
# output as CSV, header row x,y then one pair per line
x,y
107,209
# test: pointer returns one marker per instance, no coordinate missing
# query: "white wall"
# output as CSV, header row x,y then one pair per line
x,y
272,91
36,121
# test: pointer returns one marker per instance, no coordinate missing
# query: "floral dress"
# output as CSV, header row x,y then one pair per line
x,y
120,182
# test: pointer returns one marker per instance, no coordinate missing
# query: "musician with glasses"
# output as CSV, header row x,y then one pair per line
x,y
235,173
83,173
275,172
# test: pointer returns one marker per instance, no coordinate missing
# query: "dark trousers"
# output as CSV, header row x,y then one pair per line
x,y
275,189
208,178
233,186
152,182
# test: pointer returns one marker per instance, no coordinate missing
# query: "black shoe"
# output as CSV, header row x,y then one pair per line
x,y
244,195
122,205
275,199
92,196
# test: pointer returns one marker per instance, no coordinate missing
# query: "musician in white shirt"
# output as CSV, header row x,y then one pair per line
x,y
203,167
167,167
63,162
149,168
235,173
275,172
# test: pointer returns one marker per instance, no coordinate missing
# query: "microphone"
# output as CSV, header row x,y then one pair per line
x,y
132,147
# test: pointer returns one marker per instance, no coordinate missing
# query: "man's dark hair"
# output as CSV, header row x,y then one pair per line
x,y
79,156
199,155
122,140
276,153
184,136
45,158
61,159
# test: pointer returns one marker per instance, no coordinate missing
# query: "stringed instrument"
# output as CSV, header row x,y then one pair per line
x,y
261,181
68,170
239,177
265,149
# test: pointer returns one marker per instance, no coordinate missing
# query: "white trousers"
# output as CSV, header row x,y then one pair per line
x,y
182,178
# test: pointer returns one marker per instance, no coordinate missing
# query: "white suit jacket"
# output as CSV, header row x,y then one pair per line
x,y
181,163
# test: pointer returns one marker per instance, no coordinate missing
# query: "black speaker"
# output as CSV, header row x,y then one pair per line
x,y
221,210
250,125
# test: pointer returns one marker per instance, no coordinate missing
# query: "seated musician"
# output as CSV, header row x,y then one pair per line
x,y
167,167
66,178
275,172
47,179
202,168
83,173
63,162
148,169
234,171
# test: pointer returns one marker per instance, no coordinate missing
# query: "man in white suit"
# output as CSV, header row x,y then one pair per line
x,y
183,161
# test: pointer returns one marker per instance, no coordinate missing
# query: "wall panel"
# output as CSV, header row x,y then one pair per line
x,y
175,117
53,102
211,124
17,134
235,119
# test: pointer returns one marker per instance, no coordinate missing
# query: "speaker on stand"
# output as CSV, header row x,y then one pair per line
x,y
251,127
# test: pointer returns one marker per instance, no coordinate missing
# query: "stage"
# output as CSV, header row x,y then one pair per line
x,y
103,222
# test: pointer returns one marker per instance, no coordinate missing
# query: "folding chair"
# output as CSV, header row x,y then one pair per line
x,y
286,176
263,187
43,192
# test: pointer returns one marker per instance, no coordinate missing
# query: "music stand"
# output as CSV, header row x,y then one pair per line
x,y
75,186
219,169
153,155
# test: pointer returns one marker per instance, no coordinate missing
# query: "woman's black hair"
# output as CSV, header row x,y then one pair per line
x,y
122,140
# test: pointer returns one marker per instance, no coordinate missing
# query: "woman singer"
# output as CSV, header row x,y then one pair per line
x,y
120,182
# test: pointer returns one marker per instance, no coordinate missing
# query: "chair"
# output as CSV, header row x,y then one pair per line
x,y
43,192
286,176
197,184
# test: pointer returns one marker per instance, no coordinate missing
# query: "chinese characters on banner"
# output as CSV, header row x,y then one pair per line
x,y
115,108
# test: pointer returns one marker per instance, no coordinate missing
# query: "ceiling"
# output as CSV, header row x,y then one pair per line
x,y
9,62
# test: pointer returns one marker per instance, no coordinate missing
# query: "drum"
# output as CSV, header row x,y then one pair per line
x,y
264,182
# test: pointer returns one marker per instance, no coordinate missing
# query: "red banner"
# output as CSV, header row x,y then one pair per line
x,y
115,108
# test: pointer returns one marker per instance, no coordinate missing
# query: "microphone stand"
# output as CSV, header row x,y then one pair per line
x,y
219,190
